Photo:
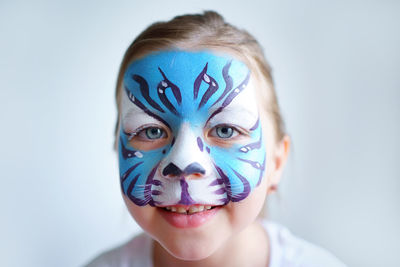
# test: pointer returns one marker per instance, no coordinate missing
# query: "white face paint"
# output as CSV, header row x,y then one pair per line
x,y
184,153
193,118
242,111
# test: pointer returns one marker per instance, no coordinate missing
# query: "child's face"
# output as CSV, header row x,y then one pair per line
x,y
191,153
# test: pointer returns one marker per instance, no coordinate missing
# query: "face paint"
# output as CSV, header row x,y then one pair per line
x,y
190,130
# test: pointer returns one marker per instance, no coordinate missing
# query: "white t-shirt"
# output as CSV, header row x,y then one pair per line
x,y
286,250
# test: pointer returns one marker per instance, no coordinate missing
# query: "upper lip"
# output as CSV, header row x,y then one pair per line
x,y
188,209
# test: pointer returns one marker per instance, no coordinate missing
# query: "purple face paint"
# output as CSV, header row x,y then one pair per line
x,y
185,196
200,144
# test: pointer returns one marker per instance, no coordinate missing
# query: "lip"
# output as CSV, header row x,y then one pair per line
x,y
180,220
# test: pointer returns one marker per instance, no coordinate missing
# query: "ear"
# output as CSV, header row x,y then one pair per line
x,y
280,157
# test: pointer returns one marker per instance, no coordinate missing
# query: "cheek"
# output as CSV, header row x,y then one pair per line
x,y
250,207
137,169
242,162
144,216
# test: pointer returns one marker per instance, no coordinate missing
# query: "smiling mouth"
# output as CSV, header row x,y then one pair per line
x,y
188,209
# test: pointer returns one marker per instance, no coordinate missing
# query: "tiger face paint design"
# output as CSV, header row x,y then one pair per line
x,y
190,131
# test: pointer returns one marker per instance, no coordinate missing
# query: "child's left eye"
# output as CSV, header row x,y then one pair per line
x,y
224,132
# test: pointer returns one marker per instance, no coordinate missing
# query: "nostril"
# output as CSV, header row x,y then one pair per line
x,y
172,169
194,168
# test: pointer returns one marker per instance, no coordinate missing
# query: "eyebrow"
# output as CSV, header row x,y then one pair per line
x,y
135,116
140,105
241,109
231,96
241,112
132,112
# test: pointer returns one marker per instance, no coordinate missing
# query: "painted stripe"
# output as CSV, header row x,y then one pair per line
x,y
175,89
157,183
198,81
148,185
262,170
237,91
127,153
231,96
137,201
220,191
212,88
156,192
185,196
173,142
144,89
246,188
254,164
140,105
200,144
162,86
255,126
146,189
251,146
225,180
228,81
128,172
216,182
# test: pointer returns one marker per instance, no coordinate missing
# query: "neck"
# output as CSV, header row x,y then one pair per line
x,y
250,247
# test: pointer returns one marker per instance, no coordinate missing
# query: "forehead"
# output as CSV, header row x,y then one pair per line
x,y
182,66
203,78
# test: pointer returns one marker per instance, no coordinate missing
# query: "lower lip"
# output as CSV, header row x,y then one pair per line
x,y
180,220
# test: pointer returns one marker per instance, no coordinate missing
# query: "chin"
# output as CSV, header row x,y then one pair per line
x,y
190,250
195,243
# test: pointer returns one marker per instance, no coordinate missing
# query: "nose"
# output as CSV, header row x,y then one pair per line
x,y
186,156
173,170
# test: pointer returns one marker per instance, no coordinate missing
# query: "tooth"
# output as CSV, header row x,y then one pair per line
x,y
173,209
168,208
201,208
181,210
208,207
193,209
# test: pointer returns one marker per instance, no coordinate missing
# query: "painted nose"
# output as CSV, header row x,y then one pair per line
x,y
173,170
186,157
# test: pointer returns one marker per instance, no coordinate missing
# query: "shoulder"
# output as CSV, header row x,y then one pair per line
x,y
136,252
289,250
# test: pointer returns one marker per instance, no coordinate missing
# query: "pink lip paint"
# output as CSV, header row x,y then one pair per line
x,y
180,220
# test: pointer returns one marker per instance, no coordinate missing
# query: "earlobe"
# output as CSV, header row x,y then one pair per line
x,y
280,159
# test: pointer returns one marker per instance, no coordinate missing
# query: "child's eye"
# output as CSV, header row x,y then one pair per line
x,y
225,131
149,138
149,134
225,135
154,133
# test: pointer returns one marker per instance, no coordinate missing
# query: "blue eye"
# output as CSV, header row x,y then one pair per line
x,y
224,131
154,133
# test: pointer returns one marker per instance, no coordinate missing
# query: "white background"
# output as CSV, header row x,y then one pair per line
x,y
337,70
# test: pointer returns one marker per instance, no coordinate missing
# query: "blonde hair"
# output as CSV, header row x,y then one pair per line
x,y
208,30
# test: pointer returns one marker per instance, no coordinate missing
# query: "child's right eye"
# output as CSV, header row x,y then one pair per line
x,y
149,138
153,133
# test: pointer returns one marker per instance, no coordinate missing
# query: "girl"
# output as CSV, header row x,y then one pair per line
x,y
201,143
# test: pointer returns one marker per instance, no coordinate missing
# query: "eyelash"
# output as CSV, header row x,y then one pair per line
x,y
235,129
237,132
142,129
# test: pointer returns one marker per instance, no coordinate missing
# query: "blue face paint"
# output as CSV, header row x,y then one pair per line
x,y
187,93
